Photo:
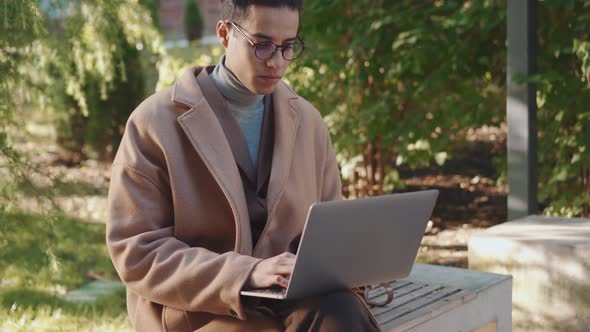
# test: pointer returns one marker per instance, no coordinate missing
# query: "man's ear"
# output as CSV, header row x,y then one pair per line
x,y
222,33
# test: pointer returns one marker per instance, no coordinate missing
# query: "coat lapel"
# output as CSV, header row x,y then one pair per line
x,y
286,121
229,124
207,137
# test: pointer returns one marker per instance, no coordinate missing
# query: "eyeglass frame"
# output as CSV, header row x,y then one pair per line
x,y
282,47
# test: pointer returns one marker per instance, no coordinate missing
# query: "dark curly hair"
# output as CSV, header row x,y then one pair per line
x,y
236,10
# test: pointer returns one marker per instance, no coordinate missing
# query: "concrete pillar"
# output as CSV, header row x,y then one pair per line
x,y
522,109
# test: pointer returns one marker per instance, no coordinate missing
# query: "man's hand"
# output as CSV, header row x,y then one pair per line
x,y
272,271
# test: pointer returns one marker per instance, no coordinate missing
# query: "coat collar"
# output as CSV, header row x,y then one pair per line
x,y
207,137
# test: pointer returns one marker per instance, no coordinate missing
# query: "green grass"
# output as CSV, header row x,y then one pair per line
x,y
41,258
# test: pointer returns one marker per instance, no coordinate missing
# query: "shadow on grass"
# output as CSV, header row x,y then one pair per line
x,y
112,305
44,256
51,251
61,188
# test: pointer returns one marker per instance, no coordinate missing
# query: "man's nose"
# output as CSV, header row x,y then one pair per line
x,y
277,60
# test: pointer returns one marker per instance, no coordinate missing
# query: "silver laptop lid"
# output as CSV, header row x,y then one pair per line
x,y
359,242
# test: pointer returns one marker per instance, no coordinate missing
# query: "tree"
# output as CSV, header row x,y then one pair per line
x,y
399,81
564,115
102,89
193,20
73,59
20,25
95,77
152,6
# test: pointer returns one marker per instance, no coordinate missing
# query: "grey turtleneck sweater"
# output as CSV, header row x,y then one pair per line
x,y
247,107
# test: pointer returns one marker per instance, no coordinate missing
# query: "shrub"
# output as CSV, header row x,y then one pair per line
x,y
193,20
101,130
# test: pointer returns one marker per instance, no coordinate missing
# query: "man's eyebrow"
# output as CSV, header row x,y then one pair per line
x,y
265,36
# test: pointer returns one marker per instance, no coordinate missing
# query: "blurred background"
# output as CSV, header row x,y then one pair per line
x,y
413,93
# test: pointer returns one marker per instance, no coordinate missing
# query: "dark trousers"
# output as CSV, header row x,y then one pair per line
x,y
338,311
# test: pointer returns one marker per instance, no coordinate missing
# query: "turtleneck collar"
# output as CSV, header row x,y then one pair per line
x,y
231,88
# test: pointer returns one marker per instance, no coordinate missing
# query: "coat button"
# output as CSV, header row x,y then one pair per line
x,y
232,312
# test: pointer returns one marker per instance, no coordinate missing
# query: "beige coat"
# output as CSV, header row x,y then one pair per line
x,y
178,229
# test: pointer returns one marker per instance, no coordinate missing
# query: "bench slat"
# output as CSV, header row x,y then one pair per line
x,y
395,285
400,292
410,294
414,303
421,297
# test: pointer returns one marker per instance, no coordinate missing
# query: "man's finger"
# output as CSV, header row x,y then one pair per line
x,y
281,281
285,263
286,260
286,255
283,269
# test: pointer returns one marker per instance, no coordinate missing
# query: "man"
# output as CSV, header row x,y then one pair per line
x,y
211,185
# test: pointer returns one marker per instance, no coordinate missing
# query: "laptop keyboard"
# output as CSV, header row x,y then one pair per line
x,y
276,291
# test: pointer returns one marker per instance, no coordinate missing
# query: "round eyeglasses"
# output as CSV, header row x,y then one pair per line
x,y
267,49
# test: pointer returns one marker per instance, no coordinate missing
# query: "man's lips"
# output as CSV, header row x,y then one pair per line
x,y
270,78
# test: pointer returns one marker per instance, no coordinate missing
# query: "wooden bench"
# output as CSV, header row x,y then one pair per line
x,y
438,298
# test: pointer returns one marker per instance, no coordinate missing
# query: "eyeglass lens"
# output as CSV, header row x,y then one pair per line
x,y
266,50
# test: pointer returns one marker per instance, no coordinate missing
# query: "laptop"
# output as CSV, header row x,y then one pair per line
x,y
351,243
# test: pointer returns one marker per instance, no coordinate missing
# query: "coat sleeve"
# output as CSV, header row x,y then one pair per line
x,y
331,183
150,260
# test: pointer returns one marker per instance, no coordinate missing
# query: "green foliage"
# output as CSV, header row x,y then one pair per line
x,y
88,67
411,77
408,75
582,49
193,20
153,6
20,24
102,127
110,82
563,116
180,59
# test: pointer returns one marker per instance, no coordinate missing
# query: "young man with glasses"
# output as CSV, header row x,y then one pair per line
x,y
212,183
